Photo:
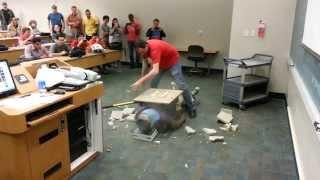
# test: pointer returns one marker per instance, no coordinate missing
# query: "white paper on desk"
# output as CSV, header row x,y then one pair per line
x,y
35,99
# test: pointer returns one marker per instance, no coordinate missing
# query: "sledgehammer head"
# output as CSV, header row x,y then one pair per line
x,y
195,91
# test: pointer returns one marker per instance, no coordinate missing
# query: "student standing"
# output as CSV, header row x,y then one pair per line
x,y
156,32
74,21
91,25
34,27
115,35
163,57
55,18
132,30
6,16
14,27
105,28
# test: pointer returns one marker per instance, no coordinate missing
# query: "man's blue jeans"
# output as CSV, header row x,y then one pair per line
x,y
176,73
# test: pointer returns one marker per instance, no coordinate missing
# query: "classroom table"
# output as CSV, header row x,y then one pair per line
x,y
89,60
14,53
207,52
13,41
35,137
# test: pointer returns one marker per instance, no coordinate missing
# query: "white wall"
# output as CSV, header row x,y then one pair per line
x,y
302,113
279,17
181,19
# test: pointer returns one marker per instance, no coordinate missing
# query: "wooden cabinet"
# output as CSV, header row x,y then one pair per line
x,y
49,152
34,140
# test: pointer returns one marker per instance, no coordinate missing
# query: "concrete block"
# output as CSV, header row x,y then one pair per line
x,y
225,116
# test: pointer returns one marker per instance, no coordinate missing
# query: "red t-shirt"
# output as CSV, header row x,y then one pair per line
x,y
133,31
163,53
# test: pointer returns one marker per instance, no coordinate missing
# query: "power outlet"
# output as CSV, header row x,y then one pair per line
x,y
245,33
200,32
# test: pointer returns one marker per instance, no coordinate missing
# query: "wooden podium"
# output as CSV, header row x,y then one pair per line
x,y
34,140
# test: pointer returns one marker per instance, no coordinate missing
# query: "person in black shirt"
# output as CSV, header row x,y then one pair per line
x,y
6,16
156,32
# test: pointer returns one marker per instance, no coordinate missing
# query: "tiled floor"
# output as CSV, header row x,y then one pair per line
x,y
261,150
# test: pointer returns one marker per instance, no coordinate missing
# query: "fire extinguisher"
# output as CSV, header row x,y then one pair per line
x,y
261,29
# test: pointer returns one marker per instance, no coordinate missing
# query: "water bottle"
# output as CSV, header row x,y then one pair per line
x,y
42,86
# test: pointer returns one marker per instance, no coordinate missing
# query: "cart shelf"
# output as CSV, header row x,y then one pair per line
x,y
248,87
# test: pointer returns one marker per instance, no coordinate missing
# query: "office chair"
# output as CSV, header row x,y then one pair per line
x,y
196,54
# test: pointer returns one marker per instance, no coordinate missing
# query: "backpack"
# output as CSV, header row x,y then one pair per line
x,y
3,47
77,52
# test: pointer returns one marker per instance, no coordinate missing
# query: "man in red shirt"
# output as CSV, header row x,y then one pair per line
x,y
132,30
163,57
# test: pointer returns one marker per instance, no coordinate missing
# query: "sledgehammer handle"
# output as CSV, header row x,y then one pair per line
x,y
118,104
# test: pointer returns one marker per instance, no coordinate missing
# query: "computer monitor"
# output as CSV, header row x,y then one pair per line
x,y
7,85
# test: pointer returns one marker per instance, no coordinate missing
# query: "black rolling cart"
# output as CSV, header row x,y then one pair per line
x,y
245,85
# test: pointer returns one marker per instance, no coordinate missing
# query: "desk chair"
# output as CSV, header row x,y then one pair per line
x,y
196,54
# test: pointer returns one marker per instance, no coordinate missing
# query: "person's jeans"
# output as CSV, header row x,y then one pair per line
x,y
176,73
133,53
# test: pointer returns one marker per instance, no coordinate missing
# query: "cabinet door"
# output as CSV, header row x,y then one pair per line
x,y
49,150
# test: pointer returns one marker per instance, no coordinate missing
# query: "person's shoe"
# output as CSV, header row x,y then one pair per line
x,y
192,113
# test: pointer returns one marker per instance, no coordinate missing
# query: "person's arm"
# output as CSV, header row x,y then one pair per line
x,y
25,42
84,26
137,27
97,25
148,34
63,23
12,14
77,23
45,53
63,53
105,32
150,75
49,24
145,67
27,52
53,53
68,21
112,30
125,30
162,34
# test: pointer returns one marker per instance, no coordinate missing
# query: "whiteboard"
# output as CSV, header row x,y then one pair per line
x,y
311,35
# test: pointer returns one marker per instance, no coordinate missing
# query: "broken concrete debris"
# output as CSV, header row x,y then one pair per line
x,y
110,123
229,127
127,111
235,127
226,127
186,165
109,148
209,131
225,116
190,130
216,138
127,114
131,117
116,115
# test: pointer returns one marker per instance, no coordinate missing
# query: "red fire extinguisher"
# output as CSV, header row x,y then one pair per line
x,y
261,29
